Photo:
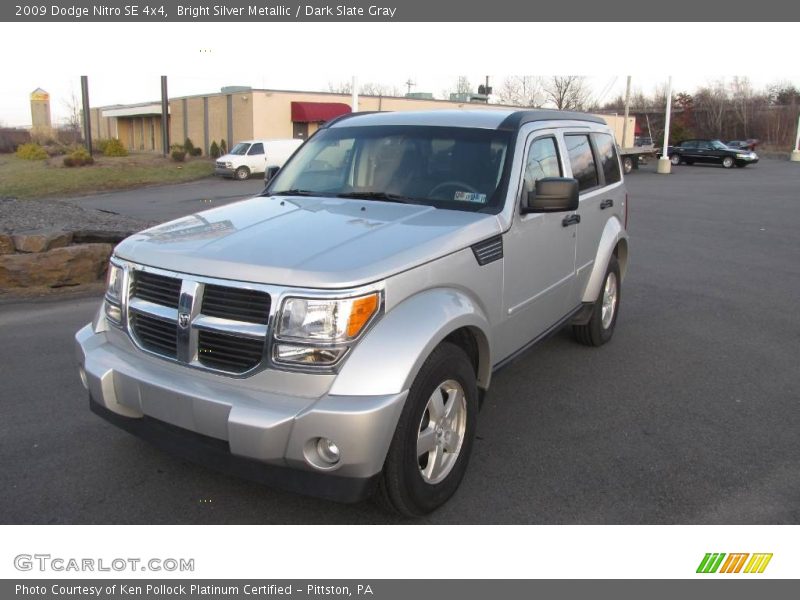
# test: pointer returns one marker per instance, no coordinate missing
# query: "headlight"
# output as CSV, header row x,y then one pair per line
x,y
113,298
328,321
228,165
318,332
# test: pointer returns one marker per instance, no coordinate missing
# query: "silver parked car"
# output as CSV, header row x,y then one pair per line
x,y
335,334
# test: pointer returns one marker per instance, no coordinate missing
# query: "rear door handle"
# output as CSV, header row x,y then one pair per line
x,y
572,219
607,203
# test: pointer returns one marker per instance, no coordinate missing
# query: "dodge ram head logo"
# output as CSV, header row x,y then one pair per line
x,y
183,320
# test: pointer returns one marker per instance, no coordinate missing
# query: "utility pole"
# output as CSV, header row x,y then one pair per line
x,y
354,102
664,166
87,114
409,84
796,151
627,111
164,116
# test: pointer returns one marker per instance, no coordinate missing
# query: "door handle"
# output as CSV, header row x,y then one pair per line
x,y
607,203
572,219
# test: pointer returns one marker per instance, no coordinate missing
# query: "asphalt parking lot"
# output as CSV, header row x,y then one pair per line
x,y
690,415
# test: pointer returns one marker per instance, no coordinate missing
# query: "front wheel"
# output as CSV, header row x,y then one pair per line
x,y
433,440
675,159
728,162
601,324
242,173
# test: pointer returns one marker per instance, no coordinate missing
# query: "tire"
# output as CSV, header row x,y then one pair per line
x,y
627,165
728,162
599,329
675,159
242,173
411,484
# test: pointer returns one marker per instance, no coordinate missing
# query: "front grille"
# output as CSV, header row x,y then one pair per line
x,y
221,164
158,289
237,304
156,335
224,325
229,352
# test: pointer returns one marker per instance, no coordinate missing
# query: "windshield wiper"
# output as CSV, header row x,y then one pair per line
x,y
379,196
295,193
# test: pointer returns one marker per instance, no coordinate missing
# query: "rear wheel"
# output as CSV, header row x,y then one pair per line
x,y
627,164
728,162
601,324
433,440
675,159
242,173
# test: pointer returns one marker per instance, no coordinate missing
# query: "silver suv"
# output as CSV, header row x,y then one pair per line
x,y
334,335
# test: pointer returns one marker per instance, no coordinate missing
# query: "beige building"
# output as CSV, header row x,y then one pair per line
x,y
240,113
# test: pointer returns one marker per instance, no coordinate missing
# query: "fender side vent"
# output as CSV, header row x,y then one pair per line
x,y
488,250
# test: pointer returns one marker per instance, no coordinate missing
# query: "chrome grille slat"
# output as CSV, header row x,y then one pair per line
x,y
217,349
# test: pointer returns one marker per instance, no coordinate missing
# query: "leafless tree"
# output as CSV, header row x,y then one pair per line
x,y
711,102
368,88
73,122
521,90
567,92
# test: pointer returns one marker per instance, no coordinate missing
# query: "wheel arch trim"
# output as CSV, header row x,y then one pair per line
x,y
390,356
613,241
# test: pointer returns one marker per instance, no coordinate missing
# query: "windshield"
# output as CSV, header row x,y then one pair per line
x,y
240,149
717,145
449,167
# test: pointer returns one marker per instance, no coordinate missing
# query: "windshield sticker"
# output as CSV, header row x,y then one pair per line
x,y
470,197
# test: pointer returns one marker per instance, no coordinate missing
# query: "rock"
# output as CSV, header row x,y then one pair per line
x,y
41,241
6,244
71,265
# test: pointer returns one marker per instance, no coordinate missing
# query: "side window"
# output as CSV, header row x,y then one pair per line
x,y
542,162
607,155
688,145
256,149
703,146
582,160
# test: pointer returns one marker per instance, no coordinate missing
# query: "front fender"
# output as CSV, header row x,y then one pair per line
x,y
388,359
613,234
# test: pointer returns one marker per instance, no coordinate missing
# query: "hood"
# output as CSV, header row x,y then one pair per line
x,y
307,242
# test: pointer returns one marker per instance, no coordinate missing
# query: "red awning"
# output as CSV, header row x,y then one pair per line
x,y
317,112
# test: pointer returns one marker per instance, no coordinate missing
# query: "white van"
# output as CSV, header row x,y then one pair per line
x,y
255,156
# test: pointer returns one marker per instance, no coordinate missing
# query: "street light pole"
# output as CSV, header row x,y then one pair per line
x,y
664,165
796,150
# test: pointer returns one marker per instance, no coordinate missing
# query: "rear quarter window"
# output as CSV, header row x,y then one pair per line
x,y
582,160
607,156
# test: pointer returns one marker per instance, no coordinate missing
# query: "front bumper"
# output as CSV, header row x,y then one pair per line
x,y
234,425
224,171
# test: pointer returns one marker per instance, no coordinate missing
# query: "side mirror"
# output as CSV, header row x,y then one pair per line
x,y
552,194
270,173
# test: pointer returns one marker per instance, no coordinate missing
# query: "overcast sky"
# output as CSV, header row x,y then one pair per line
x,y
124,61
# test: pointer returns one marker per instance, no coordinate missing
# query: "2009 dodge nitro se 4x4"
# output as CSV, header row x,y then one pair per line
x,y
334,334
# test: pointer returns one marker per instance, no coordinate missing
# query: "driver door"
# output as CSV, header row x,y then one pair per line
x,y
539,255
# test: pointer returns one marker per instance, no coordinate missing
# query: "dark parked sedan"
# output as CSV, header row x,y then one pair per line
x,y
710,151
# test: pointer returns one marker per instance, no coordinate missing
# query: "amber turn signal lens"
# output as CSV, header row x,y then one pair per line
x,y
361,313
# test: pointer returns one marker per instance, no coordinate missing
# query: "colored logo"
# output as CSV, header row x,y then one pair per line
x,y
719,562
